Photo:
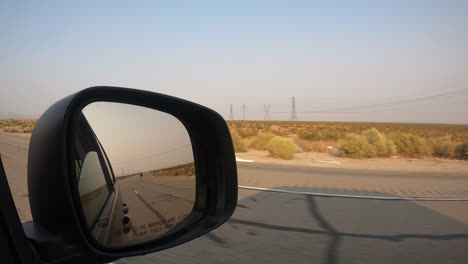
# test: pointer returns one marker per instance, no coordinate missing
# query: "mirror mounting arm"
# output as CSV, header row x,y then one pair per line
x,y
30,242
51,248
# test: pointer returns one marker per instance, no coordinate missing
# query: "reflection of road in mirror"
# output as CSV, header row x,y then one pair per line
x,y
155,203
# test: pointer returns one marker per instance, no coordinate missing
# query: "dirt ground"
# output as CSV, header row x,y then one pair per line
x,y
330,160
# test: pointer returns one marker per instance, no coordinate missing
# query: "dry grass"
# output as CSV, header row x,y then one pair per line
x,y
17,126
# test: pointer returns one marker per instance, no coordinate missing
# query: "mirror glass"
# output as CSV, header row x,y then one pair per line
x,y
134,170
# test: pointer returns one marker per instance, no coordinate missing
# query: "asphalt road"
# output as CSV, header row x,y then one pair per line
x,y
15,160
290,228
155,205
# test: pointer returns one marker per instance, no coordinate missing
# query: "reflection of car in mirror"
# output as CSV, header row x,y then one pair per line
x,y
95,179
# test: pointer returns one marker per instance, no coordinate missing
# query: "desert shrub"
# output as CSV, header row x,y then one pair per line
x,y
333,136
411,145
370,143
281,147
293,130
462,150
261,140
238,142
12,129
28,129
336,132
276,131
310,135
445,149
382,146
247,133
357,147
391,147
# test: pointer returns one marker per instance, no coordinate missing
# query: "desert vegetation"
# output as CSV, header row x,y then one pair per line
x,y
346,139
261,140
354,140
238,142
281,147
17,126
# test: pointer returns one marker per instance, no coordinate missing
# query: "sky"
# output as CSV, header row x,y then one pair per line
x,y
327,54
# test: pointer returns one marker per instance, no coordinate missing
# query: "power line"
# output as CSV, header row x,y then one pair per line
x,y
391,103
267,112
405,107
406,101
293,110
400,102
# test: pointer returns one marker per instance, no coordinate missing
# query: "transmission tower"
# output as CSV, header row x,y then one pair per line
x,y
231,114
267,112
243,112
293,110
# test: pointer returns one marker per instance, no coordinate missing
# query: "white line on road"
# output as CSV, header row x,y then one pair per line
x,y
350,196
243,160
14,145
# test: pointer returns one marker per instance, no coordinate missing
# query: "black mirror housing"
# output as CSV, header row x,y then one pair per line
x,y
54,198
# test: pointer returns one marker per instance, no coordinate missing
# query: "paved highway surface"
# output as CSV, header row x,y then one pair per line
x,y
290,228
155,205
15,160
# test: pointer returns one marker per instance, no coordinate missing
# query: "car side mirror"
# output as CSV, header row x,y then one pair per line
x,y
117,172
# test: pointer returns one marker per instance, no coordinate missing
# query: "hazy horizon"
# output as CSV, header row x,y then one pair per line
x,y
127,134
329,56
